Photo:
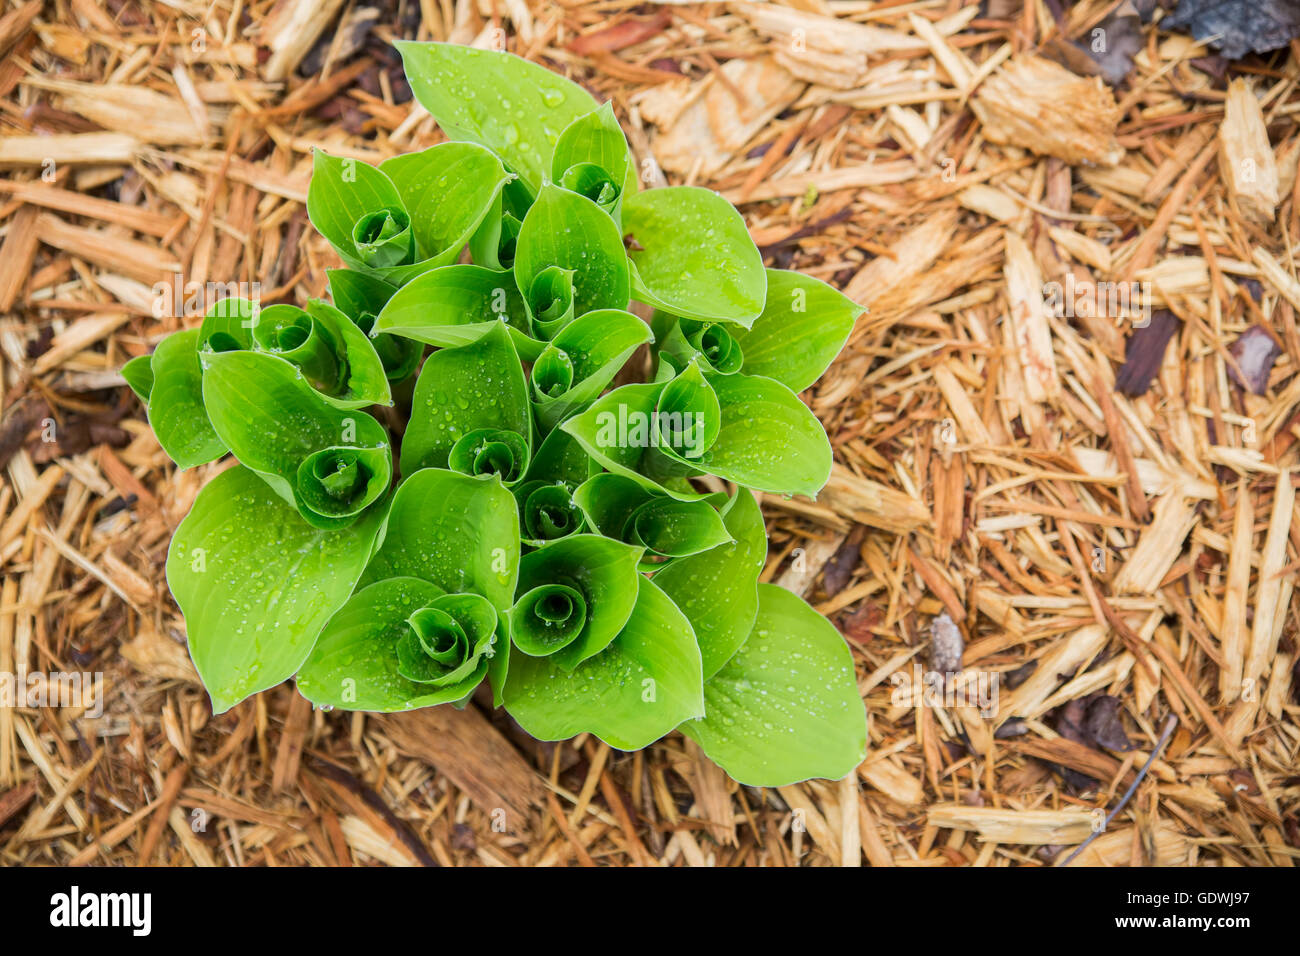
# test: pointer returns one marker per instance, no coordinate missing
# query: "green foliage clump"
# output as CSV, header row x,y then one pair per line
x,y
551,533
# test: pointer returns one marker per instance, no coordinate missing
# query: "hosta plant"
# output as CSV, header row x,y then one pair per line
x,y
452,478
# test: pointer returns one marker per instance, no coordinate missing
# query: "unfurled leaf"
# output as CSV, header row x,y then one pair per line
x,y
515,108
256,583
138,373
471,389
454,305
328,462
693,255
457,532
717,589
804,325
566,231
786,707
644,683
175,402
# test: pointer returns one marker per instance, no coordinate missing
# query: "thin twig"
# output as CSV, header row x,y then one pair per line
x,y
1170,723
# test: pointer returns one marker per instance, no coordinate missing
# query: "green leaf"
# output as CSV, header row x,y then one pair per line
x,y
570,231
619,508
629,695
547,512
696,258
138,373
176,411
717,590
332,352
601,571
711,344
515,108
582,359
464,389
804,325
786,707
448,189
768,439
361,298
454,531
256,583
595,142
493,243
342,193
329,462
400,644
454,305
618,432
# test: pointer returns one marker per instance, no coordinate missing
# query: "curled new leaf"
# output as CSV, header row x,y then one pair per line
x,y
454,531
547,617
476,389
403,643
361,298
619,508
566,231
328,462
629,695
547,511
712,344
591,158
333,354
579,362
410,214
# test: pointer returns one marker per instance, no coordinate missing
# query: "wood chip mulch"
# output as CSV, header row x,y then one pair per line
x,y
1100,497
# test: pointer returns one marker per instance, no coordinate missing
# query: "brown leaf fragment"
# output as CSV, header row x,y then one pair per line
x,y
1103,725
1145,353
1255,351
839,569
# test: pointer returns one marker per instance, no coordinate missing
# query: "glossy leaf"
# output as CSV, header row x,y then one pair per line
x,y
601,571
804,325
595,142
454,531
515,108
256,583
717,590
138,373
176,411
466,389
454,305
620,508
328,462
629,695
693,255
786,707
570,231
